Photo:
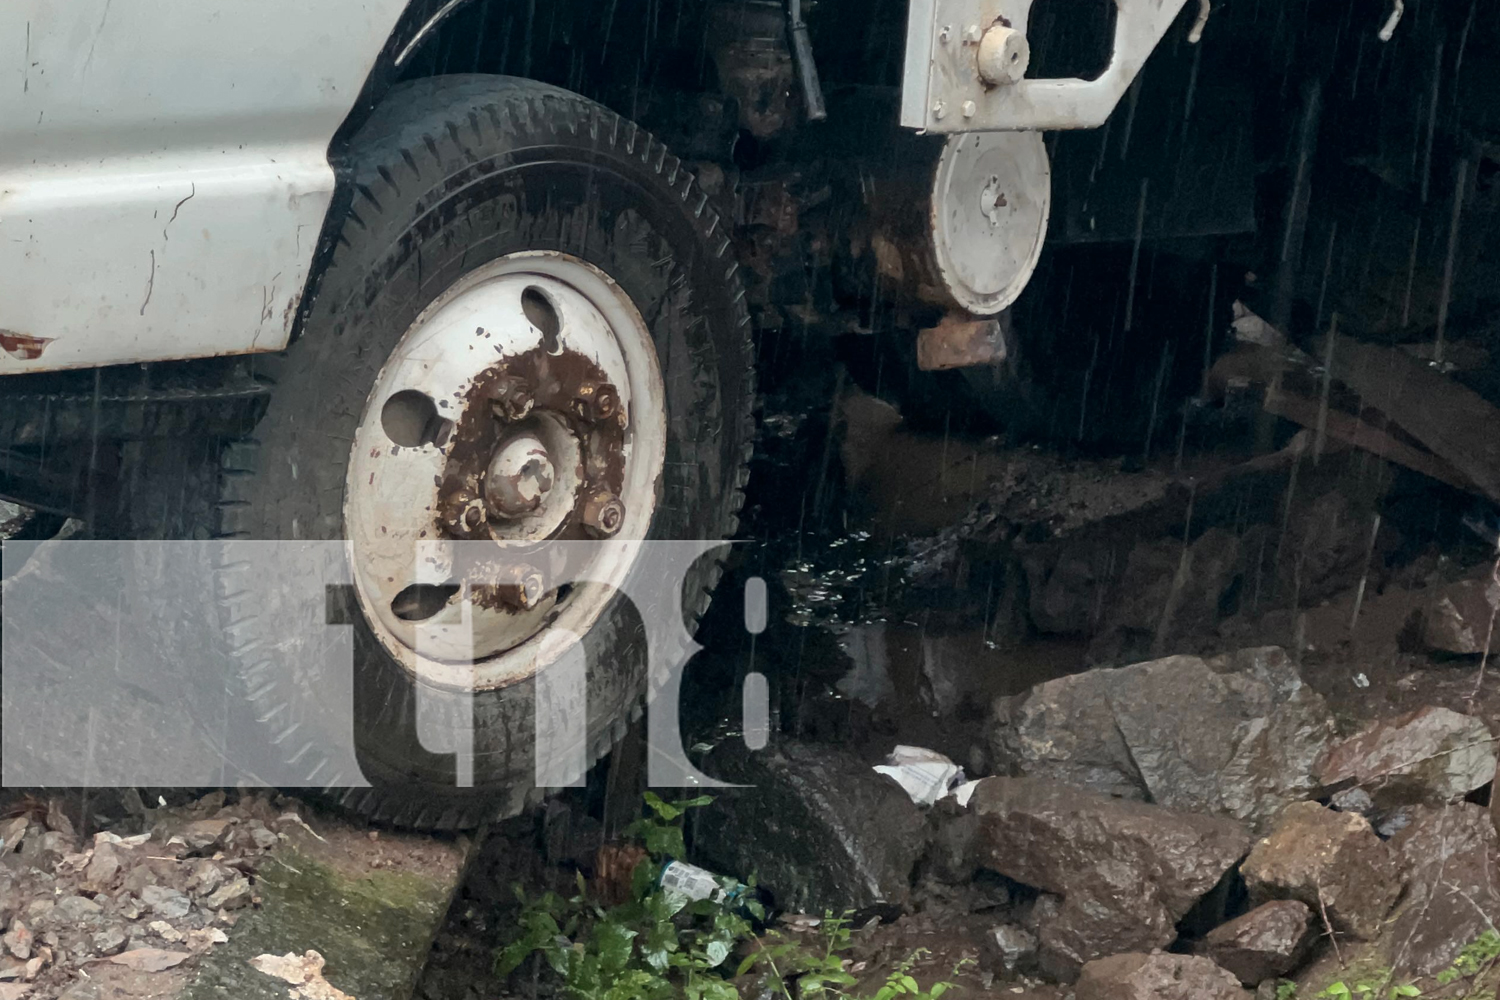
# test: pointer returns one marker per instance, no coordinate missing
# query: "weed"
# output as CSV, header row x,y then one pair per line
x,y
661,945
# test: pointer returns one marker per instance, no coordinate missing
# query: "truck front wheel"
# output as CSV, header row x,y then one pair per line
x,y
518,264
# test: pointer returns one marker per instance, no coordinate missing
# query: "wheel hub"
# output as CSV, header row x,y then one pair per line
x,y
519,476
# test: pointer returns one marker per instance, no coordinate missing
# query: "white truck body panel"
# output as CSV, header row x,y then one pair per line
x,y
164,170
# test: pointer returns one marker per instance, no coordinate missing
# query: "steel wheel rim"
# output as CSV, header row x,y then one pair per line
x,y
446,412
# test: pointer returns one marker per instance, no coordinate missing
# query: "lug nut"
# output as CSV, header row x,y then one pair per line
x,y
510,398
596,401
603,514
521,587
462,515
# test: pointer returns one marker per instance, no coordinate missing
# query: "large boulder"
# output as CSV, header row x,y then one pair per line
x,y
1454,887
1238,735
1157,977
1126,872
1331,861
1269,941
1433,755
813,823
1166,591
1460,618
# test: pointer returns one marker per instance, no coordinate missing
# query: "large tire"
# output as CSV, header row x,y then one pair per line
x,y
453,173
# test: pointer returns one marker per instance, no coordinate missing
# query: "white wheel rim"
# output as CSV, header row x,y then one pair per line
x,y
431,433
991,198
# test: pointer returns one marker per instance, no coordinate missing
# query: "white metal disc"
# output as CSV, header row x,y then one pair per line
x,y
991,197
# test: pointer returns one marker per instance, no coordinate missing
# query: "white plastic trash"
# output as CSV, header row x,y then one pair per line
x,y
926,775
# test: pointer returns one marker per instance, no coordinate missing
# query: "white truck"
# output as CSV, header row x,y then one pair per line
x,y
371,270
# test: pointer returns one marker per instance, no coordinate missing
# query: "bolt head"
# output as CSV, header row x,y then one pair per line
x,y
596,401
510,398
603,514
521,587
461,514
969,109
972,33
939,109
945,35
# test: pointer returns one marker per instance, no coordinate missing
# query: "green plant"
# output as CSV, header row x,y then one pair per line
x,y
660,945
1367,989
1476,956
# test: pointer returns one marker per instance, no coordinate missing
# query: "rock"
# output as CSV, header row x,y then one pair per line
x,y
1458,619
1062,592
165,931
207,876
204,834
165,902
1269,941
45,850
263,837
102,867
12,832
1016,946
1237,735
1157,977
1159,862
1331,537
1162,592
231,896
110,941
950,855
1433,755
150,959
72,911
1315,851
17,940
1453,893
815,824
204,939
1353,800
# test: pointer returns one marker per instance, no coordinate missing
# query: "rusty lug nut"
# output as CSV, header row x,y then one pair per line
x,y
596,401
521,587
603,514
510,398
463,516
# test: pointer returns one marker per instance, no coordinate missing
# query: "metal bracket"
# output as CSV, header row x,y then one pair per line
x,y
966,61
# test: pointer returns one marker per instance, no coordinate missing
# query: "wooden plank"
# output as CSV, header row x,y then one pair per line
x,y
1351,430
1451,420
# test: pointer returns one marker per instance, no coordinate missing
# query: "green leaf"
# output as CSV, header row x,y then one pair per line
x,y
1406,990
717,951
718,989
614,944
665,841
665,810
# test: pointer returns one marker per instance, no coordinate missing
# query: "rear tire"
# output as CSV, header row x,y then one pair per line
x,y
451,175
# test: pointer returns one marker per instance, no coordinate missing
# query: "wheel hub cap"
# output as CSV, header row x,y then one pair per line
x,y
519,476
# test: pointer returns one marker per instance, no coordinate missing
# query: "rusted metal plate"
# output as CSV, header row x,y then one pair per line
x,y
959,342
